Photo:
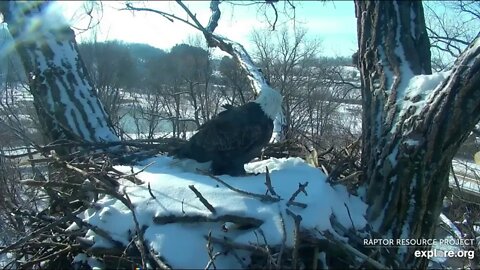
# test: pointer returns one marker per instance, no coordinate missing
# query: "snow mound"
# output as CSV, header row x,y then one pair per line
x,y
425,83
181,243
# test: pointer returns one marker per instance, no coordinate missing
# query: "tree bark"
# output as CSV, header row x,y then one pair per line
x,y
64,96
409,138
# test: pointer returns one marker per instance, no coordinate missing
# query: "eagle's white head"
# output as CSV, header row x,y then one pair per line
x,y
270,101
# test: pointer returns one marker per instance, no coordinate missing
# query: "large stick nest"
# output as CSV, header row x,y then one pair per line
x,y
49,244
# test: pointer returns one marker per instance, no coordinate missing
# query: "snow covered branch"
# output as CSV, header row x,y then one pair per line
x,y
236,50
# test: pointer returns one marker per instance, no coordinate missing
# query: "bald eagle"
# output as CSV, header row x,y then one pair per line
x,y
236,135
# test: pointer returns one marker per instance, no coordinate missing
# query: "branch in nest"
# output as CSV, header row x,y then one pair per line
x,y
45,258
268,183
232,245
150,191
241,222
348,248
132,177
203,200
159,261
139,240
96,230
349,215
263,198
337,170
284,239
212,256
50,184
301,188
297,204
38,232
297,219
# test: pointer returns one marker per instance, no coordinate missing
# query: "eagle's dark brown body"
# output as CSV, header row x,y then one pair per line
x,y
231,139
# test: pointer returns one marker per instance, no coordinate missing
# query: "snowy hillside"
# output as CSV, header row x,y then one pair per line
x,y
177,223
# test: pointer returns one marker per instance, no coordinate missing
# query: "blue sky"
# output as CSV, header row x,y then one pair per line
x,y
332,22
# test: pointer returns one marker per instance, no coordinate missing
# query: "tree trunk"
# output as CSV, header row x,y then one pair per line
x,y
409,137
64,97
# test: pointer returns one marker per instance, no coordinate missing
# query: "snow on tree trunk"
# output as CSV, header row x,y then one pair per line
x,y
413,124
64,97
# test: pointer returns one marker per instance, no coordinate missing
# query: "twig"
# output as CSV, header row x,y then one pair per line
x,y
271,260
354,251
349,215
337,170
233,245
183,210
203,200
36,233
31,263
268,183
139,241
244,222
298,204
120,259
97,230
457,183
139,171
301,188
326,151
211,256
276,15
284,241
374,253
131,177
161,264
297,219
150,191
349,177
261,197
107,185
50,184
237,51
325,171
213,22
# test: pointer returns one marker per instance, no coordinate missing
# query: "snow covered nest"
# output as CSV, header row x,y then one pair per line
x,y
177,223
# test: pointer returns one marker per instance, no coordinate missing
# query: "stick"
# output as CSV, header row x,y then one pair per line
x,y
240,221
203,200
150,191
268,183
233,245
139,237
258,196
349,215
297,219
301,188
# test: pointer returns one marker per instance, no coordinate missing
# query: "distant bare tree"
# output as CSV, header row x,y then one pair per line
x,y
193,66
282,58
452,26
113,72
235,90
313,88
